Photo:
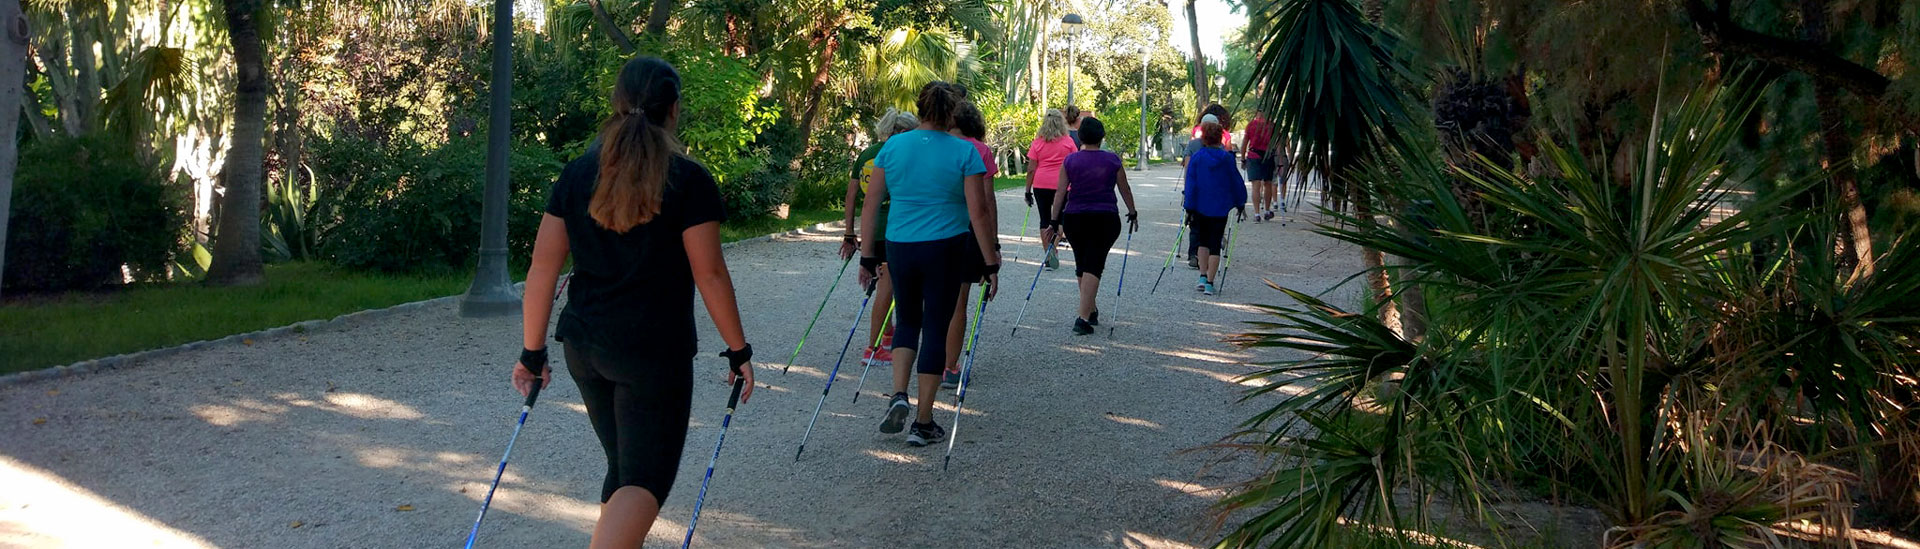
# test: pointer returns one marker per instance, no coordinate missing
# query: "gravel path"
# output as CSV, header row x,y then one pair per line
x,y
385,434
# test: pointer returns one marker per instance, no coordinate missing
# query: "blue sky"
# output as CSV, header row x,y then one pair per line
x,y
1216,18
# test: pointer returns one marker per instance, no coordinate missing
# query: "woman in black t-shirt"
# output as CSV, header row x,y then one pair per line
x,y
642,223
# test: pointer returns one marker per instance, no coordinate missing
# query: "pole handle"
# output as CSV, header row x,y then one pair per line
x,y
739,382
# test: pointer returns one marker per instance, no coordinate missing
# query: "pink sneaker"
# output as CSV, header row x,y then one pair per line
x,y
878,355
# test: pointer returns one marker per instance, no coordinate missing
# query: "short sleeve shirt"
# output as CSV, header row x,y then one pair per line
x,y
926,174
632,293
1047,157
863,172
1091,178
986,157
1259,133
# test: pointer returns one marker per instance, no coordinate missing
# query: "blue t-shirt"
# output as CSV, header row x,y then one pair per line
x,y
926,175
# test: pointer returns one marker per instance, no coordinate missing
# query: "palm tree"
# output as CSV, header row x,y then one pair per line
x,y
1199,60
236,252
1329,76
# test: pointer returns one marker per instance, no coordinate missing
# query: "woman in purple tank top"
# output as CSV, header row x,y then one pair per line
x,y
1090,214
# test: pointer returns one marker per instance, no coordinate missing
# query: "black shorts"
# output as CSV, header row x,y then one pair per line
x,y
639,410
1208,231
1043,199
1092,235
973,266
1260,169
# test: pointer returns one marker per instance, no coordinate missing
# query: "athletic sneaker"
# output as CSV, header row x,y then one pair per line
x,y
1269,214
1257,218
1081,327
1094,318
1193,261
897,411
878,356
951,378
926,433
1053,260
1206,288
1202,285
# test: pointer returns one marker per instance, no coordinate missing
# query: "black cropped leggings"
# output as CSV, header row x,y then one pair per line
x,y
1092,235
639,410
927,278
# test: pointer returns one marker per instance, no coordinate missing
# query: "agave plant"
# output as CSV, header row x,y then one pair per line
x,y
1576,344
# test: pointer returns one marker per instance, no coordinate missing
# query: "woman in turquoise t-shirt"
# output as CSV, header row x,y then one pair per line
x,y
937,187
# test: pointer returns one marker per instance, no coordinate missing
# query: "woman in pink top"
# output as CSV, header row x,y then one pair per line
x,y
1049,150
968,124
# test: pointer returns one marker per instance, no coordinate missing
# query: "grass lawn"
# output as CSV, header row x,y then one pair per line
x,y
41,332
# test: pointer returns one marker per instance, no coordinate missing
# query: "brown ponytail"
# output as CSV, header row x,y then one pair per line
x,y
939,102
635,146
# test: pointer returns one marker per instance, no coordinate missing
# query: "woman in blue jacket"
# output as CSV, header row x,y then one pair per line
x,y
1214,187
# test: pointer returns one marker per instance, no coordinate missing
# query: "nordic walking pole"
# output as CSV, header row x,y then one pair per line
x,y
816,314
559,290
502,471
1036,283
1123,276
1226,258
1177,236
966,372
732,401
836,367
884,323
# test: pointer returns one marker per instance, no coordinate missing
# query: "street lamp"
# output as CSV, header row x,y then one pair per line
x,y
492,293
1072,23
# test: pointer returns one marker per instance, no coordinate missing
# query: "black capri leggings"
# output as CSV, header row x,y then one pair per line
x,y
1092,235
1043,199
639,410
926,285
1207,231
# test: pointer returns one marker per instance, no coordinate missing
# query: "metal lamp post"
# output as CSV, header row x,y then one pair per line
x,y
1142,164
1072,22
492,293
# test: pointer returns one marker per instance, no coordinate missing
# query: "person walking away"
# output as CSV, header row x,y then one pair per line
x,y
1280,156
1049,149
641,222
938,187
1214,188
971,125
894,122
1215,115
1091,217
1259,165
1074,116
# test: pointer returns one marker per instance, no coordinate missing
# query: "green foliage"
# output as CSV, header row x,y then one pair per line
x,y
823,176
286,229
1626,345
82,209
408,208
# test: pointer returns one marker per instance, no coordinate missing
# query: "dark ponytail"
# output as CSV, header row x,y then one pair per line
x,y
636,146
939,102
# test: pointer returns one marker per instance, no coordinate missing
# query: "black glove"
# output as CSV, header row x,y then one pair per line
x,y
871,265
534,361
1029,197
1133,221
735,359
990,270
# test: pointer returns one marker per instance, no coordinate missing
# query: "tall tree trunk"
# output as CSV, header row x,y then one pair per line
x,y
605,21
736,44
1199,61
1373,260
823,68
1856,241
657,18
236,254
86,81
13,75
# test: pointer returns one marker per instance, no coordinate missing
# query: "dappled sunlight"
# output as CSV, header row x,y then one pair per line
x,y
1416,537
1217,376
1138,540
895,457
245,410
1136,422
1191,489
365,406
1200,355
41,509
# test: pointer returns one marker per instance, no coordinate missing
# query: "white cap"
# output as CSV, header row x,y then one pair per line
x,y
1209,119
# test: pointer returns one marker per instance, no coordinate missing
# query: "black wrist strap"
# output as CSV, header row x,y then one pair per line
x,y
535,361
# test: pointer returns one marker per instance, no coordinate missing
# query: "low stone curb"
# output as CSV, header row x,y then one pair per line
x,y
304,327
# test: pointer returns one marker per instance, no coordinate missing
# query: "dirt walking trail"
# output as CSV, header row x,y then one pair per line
x,y
385,433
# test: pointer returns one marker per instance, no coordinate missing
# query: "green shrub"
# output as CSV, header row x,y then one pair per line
x,y
412,209
82,209
822,181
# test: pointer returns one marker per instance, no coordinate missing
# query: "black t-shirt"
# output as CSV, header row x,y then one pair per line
x,y
632,294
